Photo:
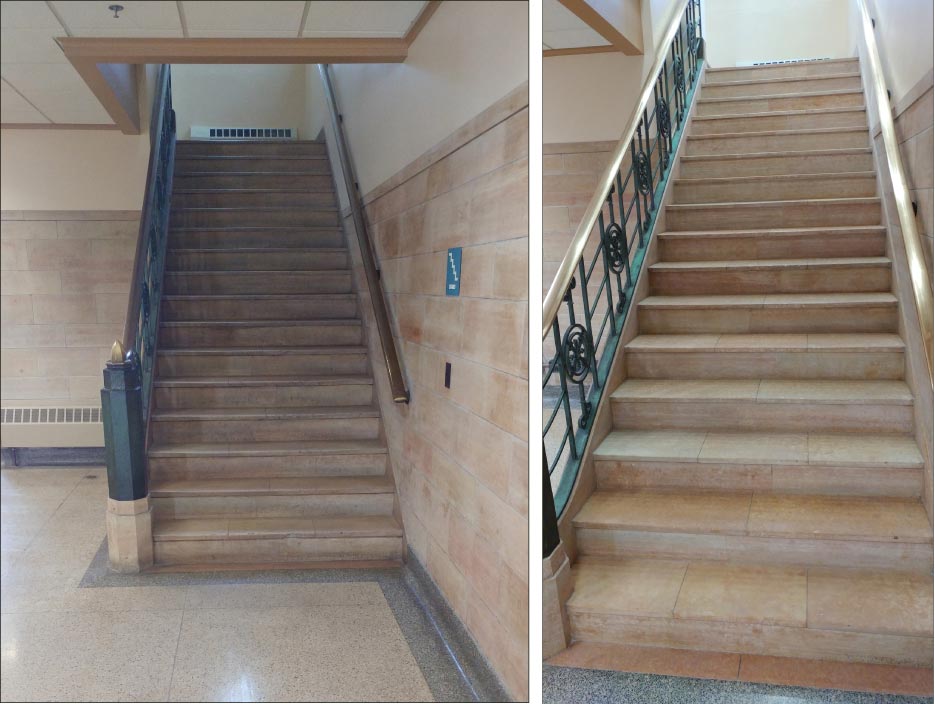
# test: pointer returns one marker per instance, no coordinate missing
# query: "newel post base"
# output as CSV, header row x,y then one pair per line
x,y
129,515
556,590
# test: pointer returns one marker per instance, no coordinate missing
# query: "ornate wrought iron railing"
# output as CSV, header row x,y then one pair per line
x,y
128,376
587,304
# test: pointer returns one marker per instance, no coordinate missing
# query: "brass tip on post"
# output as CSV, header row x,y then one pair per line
x,y
116,352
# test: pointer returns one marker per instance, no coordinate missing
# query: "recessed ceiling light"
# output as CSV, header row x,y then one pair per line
x,y
115,9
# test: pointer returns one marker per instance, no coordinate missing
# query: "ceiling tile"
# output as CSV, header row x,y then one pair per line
x,y
29,46
77,107
46,78
361,19
14,109
28,15
138,18
573,38
556,16
244,19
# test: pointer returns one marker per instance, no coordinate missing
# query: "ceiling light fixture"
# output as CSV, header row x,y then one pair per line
x,y
115,9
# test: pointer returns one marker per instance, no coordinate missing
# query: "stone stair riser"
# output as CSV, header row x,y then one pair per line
x,y
266,466
272,430
258,335
256,261
687,192
789,70
256,180
764,122
776,102
250,199
741,246
258,309
781,214
814,319
215,165
265,149
181,283
837,279
245,217
277,550
780,86
263,396
273,506
752,144
171,366
296,238
776,165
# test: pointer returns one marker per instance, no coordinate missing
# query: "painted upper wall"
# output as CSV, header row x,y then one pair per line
x,y
240,95
469,55
739,32
904,38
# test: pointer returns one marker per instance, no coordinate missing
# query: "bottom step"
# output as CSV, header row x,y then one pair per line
x,y
822,613
277,540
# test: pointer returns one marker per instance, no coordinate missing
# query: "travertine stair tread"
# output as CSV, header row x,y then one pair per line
x,y
257,250
774,96
257,228
780,113
779,232
752,264
276,413
773,133
778,177
260,323
768,342
246,157
264,351
817,449
772,300
305,447
821,598
258,297
764,391
276,528
799,516
767,81
324,380
284,486
285,273
775,203
765,155
255,172
200,191
255,208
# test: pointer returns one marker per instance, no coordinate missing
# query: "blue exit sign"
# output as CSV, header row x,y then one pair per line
x,y
453,272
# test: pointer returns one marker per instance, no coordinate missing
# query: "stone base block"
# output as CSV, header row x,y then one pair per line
x,y
556,589
129,535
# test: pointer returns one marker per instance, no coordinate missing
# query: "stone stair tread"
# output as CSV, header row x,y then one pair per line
x,y
821,598
198,381
276,413
256,208
276,528
764,155
780,113
260,172
284,486
773,203
773,133
770,300
786,79
807,62
259,323
778,232
774,96
816,449
264,351
265,157
257,296
771,342
199,191
764,391
268,272
781,516
260,449
747,264
780,177
257,250
258,228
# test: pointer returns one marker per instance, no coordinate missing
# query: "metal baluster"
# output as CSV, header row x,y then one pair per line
x,y
564,397
588,341
610,295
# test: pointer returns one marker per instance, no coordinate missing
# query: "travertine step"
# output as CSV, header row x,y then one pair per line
x,y
253,217
713,245
256,238
779,101
818,118
214,425
780,529
777,141
818,275
252,198
849,80
251,164
264,148
242,282
249,392
258,259
254,333
780,356
321,360
769,313
824,161
831,613
253,306
253,179
780,213
782,463
734,189
273,498
797,69
233,540
767,405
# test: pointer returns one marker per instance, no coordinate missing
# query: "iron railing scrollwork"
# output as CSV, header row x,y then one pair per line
x,y
586,307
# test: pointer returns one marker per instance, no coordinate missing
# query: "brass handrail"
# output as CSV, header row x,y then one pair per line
x,y
377,297
566,270
921,287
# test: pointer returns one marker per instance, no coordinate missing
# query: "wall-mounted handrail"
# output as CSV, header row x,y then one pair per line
x,y
919,280
377,296
586,307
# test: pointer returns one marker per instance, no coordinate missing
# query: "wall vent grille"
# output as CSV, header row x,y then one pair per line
x,y
222,133
49,415
745,64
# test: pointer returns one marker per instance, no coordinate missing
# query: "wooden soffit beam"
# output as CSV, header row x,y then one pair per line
x,y
618,21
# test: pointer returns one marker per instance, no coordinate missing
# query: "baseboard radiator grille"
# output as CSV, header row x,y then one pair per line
x,y
278,133
21,416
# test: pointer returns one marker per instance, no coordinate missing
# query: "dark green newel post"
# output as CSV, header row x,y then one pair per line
x,y
129,518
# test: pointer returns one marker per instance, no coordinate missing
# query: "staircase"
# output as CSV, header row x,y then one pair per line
x,y
760,489
267,444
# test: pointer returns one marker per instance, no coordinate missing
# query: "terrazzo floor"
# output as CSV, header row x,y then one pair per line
x,y
74,631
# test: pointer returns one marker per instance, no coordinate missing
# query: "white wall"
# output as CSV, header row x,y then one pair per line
x,y
904,39
239,95
741,31
468,56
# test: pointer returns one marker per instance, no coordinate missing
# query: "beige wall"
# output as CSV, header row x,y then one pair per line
x,y
239,96
904,38
459,454
468,55
740,31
